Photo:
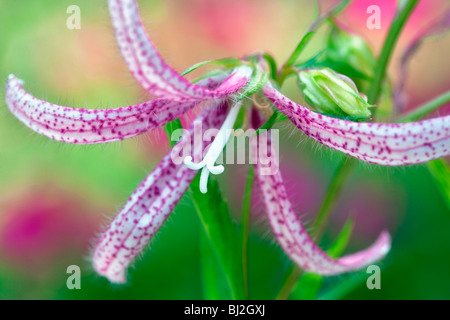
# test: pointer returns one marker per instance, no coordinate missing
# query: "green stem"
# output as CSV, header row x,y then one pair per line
x,y
246,222
300,46
402,14
272,65
292,278
333,192
440,172
426,108
304,41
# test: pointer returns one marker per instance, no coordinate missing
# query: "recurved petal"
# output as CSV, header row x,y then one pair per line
x,y
149,205
388,144
88,126
294,239
148,67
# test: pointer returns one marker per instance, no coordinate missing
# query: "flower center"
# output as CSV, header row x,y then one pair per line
x,y
215,149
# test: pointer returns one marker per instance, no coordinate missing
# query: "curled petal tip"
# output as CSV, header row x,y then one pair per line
x,y
385,240
377,251
296,242
114,276
13,80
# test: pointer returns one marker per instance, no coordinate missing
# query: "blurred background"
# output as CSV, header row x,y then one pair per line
x,y
56,198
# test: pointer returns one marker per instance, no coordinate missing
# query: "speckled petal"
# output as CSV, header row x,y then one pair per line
x,y
148,67
293,238
388,144
88,126
148,207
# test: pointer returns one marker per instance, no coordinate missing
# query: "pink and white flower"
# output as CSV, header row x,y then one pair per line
x,y
155,198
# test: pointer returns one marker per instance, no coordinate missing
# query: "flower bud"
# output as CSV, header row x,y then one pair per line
x,y
333,93
350,54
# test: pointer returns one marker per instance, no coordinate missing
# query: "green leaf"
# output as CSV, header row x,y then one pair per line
x,y
274,118
339,66
348,118
208,75
440,173
298,50
287,70
240,119
342,240
272,65
214,280
170,127
307,287
344,286
304,41
314,62
227,63
221,232
246,202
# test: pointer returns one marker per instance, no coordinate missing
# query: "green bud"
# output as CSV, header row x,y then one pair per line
x,y
350,54
332,93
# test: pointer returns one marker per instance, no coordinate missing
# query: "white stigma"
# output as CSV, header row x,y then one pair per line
x,y
215,149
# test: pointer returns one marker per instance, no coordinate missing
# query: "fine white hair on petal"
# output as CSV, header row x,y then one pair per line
x,y
389,144
90,126
149,68
150,205
294,239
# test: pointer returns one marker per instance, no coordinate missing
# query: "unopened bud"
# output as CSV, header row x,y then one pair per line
x,y
332,93
351,52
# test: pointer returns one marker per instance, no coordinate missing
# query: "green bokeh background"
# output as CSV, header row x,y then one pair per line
x,y
84,67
